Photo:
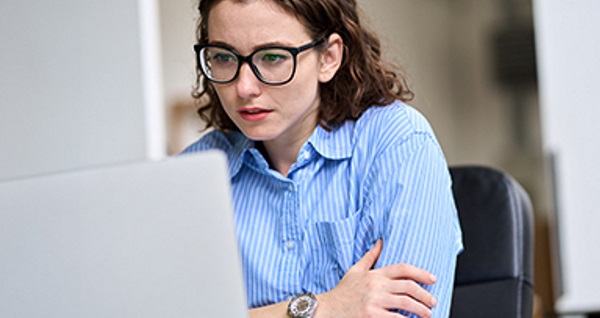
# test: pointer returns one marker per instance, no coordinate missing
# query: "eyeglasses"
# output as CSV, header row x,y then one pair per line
x,y
273,65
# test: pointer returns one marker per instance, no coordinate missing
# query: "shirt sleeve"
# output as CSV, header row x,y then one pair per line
x,y
418,220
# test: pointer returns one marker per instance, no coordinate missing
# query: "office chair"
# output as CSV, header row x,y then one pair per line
x,y
494,273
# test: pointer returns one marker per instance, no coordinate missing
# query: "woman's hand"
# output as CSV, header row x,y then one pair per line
x,y
363,292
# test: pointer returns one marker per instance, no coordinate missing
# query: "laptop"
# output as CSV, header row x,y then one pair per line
x,y
151,239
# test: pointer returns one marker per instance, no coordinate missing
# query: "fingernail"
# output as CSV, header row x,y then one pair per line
x,y
434,302
433,278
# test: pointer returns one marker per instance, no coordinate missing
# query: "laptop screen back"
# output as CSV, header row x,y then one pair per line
x,y
137,240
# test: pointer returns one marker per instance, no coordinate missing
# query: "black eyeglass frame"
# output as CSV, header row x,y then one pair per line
x,y
294,51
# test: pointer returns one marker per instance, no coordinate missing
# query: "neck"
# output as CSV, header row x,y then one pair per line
x,y
282,154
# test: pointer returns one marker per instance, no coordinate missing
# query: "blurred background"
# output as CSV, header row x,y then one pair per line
x,y
95,83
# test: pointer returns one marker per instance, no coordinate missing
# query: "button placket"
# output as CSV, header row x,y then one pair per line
x,y
290,245
289,236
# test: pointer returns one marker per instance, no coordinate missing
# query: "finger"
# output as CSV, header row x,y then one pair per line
x,y
368,260
406,303
405,271
412,289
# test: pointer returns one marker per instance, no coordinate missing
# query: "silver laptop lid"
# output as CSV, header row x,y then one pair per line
x,y
137,240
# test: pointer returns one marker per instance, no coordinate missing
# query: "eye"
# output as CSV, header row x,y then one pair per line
x,y
223,58
272,57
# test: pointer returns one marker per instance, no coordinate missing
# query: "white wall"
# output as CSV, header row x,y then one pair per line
x,y
74,84
569,68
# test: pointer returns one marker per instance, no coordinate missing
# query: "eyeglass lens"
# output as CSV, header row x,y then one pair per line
x,y
271,65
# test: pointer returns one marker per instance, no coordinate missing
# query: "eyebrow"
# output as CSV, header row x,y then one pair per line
x,y
254,48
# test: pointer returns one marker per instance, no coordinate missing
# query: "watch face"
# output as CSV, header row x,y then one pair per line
x,y
302,305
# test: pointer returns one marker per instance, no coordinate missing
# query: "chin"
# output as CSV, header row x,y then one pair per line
x,y
258,135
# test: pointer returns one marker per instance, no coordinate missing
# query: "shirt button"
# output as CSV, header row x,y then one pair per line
x,y
291,187
290,245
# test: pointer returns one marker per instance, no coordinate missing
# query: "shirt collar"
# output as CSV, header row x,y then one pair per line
x,y
239,145
336,144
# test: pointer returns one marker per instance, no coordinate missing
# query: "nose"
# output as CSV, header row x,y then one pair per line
x,y
247,84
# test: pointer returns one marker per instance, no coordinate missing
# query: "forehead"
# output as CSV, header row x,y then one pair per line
x,y
247,24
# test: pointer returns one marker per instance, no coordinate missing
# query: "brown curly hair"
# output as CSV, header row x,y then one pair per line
x,y
363,79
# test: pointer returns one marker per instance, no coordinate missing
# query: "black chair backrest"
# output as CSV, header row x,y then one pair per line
x,y
494,274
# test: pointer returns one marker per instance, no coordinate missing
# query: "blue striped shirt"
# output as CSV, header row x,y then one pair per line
x,y
382,176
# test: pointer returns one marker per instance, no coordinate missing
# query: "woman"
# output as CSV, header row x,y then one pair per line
x,y
341,192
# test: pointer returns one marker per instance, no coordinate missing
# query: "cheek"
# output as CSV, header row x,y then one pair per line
x,y
221,92
295,97
305,86
224,93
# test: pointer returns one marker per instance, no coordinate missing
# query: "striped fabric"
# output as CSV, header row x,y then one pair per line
x,y
383,176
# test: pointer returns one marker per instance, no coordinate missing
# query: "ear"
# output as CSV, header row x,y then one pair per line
x,y
331,58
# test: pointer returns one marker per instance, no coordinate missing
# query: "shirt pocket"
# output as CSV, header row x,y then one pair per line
x,y
329,252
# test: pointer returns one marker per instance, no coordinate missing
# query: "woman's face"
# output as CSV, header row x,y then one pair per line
x,y
286,113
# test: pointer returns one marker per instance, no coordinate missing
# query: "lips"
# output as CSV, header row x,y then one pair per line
x,y
254,113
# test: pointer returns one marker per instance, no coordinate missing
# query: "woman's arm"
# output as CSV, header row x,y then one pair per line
x,y
420,225
364,292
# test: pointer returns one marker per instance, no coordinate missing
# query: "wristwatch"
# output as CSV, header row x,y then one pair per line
x,y
302,306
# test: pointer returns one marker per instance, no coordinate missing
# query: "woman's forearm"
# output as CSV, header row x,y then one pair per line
x,y
278,310
363,292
